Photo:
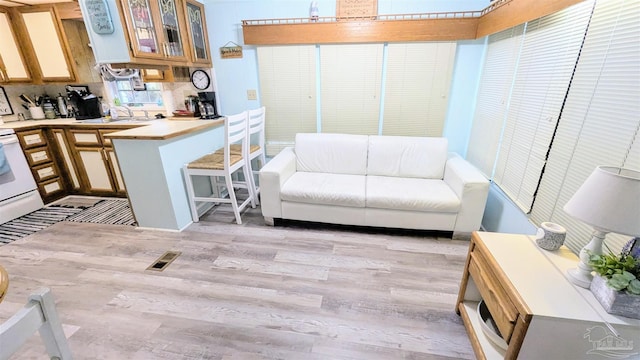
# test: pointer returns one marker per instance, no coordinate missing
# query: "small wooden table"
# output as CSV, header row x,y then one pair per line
x,y
540,314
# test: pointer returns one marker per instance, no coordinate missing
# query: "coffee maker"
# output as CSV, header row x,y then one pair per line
x,y
86,104
208,107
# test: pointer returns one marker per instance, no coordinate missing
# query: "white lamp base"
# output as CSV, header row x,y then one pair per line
x,y
581,276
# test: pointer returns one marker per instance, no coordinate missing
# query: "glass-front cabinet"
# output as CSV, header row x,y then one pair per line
x,y
12,64
156,29
197,28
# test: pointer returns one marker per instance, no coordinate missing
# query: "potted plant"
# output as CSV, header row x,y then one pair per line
x,y
617,281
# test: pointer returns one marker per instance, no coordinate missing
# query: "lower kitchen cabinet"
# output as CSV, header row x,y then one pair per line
x,y
41,159
64,156
96,163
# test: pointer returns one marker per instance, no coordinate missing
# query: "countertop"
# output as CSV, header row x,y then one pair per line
x,y
160,129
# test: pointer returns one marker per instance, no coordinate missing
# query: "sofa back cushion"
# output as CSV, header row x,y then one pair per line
x,y
406,156
331,153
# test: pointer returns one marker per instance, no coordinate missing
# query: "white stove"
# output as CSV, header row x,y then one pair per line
x,y
18,191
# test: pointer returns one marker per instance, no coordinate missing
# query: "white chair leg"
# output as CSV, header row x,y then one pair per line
x,y
190,194
250,188
232,196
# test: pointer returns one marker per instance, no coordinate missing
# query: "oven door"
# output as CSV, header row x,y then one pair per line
x,y
15,175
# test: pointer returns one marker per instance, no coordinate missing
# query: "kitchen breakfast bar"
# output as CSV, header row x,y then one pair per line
x,y
151,159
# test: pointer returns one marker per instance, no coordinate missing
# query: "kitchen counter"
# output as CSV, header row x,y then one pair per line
x,y
157,129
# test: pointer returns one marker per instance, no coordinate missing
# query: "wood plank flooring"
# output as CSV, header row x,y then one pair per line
x,y
243,292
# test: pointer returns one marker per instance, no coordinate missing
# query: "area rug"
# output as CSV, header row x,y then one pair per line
x,y
112,212
33,222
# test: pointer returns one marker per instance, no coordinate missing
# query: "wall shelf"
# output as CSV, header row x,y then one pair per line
x,y
444,26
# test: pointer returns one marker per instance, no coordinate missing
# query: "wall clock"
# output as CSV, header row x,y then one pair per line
x,y
5,105
200,79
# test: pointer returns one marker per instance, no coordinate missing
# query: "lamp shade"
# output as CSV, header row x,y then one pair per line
x,y
609,200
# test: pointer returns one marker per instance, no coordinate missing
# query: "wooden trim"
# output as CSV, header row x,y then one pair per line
x,y
69,10
473,338
517,338
195,61
500,15
361,31
507,14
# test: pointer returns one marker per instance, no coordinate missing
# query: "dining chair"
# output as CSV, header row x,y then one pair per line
x,y
223,163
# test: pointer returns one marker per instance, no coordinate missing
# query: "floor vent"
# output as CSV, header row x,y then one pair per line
x,y
164,260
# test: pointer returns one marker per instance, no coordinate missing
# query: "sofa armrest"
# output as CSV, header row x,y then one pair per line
x,y
272,176
472,189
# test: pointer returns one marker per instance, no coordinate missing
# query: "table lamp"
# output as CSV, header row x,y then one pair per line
x,y
609,201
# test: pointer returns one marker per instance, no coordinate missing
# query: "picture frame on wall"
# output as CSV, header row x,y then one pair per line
x,y
5,105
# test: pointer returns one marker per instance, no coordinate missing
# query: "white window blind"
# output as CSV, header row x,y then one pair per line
x,y
547,59
288,91
351,77
417,88
493,97
599,124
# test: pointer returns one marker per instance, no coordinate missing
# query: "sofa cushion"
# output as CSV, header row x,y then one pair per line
x,y
332,153
324,188
413,194
406,156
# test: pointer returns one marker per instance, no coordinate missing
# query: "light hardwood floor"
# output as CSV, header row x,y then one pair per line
x,y
243,292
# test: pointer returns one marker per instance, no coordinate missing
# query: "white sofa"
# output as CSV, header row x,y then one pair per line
x,y
384,181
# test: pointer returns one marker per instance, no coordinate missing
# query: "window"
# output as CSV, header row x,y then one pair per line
x,y
126,95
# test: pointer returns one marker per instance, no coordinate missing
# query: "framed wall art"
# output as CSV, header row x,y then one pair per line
x,y
5,105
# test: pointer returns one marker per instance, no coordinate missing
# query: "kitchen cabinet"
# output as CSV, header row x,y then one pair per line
x,y
148,34
156,29
13,67
537,312
40,157
64,151
97,168
197,28
45,42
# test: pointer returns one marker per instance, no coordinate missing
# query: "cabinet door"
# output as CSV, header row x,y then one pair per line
x,y
48,41
197,30
12,64
115,170
65,151
95,166
172,30
142,28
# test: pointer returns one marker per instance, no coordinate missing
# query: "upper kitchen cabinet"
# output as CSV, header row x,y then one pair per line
x,y
142,33
45,42
156,29
197,32
12,65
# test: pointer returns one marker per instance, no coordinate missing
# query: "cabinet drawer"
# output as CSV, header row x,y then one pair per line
x,y
45,172
32,138
502,310
50,187
85,137
38,156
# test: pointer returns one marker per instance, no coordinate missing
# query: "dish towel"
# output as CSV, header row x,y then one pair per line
x,y
4,163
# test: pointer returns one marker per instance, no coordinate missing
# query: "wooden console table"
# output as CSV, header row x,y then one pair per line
x,y
540,314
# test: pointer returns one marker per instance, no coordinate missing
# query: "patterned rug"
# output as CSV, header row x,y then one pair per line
x,y
35,221
115,212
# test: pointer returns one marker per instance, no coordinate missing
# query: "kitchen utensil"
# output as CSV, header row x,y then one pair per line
x,y
27,99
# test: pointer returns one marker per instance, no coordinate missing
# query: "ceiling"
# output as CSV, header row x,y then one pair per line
x,y
10,3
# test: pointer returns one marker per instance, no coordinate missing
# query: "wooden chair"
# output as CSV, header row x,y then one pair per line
x,y
39,314
224,163
256,150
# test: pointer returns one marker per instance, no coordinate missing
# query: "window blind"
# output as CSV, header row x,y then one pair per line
x,y
417,88
546,62
288,91
600,122
350,77
493,97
